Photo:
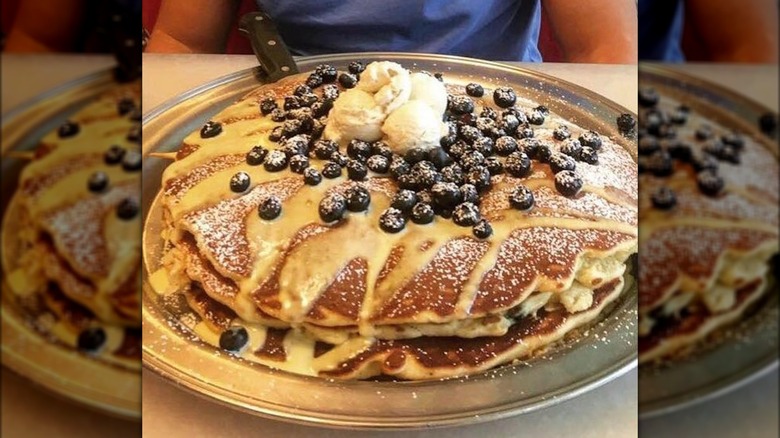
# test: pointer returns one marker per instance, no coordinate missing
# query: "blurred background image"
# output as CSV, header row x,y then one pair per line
x,y
70,229
708,218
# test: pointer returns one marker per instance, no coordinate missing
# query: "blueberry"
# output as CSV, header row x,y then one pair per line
x,y
404,200
125,105
469,133
660,164
733,139
460,105
504,97
292,102
439,158
489,113
568,183
543,153
768,124
97,182
270,208
291,128
378,164
664,198
392,220
233,339
422,213
704,132
535,117
452,173
348,80
469,193
482,229
524,132
127,208
267,105
276,134
275,161
648,145
471,159
114,155
484,145
312,176
679,117
210,129
330,92
314,80
356,67
510,122
543,110
381,148
132,161
494,165
589,155
239,182
466,214
521,198
91,339
358,150
518,164
561,132
479,177
530,146
680,150
458,149
299,163
358,199
710,183
323,149
332,207
424,174
321,108
439,77
356,170
626,123
590,139
68,129
256,156
399,166
475,90
299,113
648,97
134,134
327,72
559,162
571,147
331,170
301,89
446,194
296,145
425,196
278,115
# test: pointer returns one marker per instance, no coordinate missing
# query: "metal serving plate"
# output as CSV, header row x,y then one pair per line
x,y
749,349
605,351
64,371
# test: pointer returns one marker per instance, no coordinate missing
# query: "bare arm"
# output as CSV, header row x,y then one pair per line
x,y
595,31
735,31
38,27
193,26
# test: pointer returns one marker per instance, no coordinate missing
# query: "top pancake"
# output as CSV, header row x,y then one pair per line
x,y
298,269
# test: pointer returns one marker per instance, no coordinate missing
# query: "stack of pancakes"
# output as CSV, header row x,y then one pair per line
x,y
348,300
72,262
706,259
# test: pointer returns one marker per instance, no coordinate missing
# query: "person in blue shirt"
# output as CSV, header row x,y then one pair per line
x,y
586,31
742,31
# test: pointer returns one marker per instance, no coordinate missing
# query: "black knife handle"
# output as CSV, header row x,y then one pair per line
x,y
270,50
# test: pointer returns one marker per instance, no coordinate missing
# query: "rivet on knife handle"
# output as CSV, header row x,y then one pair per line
x,y
270,50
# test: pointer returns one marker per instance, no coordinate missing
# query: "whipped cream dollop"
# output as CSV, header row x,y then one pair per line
x,y
389,102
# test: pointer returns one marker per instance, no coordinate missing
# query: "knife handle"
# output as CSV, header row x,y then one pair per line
x,y
270,50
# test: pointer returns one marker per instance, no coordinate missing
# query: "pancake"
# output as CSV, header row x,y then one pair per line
x,y
71,232
377,276
705,247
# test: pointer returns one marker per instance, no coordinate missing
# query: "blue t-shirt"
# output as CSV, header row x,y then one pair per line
x,y
490,29
660,30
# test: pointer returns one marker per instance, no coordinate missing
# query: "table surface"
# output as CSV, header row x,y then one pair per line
x,y
609,411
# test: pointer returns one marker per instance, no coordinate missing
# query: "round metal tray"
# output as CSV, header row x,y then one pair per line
x,y
751,350
602,353
62,370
